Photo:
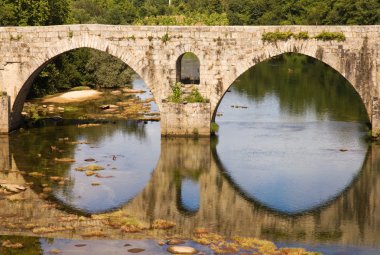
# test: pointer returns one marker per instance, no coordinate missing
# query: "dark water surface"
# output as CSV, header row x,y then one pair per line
x,y
291,164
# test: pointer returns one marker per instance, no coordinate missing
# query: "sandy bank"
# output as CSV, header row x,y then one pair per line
x,y
73,96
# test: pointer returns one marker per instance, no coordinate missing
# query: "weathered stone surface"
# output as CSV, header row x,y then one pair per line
x,y
224,54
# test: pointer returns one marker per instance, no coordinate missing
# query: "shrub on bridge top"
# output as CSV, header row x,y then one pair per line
x,y
331,36
303,35
276,36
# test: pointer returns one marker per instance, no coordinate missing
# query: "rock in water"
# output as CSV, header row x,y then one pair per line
x,y
136,250
182,250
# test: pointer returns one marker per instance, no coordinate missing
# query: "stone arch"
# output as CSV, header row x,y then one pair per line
x,y
187,72
313,52
36,65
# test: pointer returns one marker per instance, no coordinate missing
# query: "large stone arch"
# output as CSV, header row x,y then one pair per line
x,y
355,67
31,70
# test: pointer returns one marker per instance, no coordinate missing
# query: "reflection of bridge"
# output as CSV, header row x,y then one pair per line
x,y
224,54
353,218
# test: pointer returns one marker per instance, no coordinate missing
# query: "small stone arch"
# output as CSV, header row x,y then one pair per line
x,y
188,69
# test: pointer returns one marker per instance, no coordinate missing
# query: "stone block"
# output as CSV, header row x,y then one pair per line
x,y
4,113
192,119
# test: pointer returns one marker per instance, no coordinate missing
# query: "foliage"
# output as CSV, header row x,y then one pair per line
x,y
165,38
331,36
190,19
83,67
277,36
3,93
301,35
176,96
214,128
195,97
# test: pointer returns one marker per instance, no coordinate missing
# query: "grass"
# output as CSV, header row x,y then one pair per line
x,y
79,88
165,38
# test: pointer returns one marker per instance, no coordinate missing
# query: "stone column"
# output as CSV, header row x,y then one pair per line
x,y
191,119
4,114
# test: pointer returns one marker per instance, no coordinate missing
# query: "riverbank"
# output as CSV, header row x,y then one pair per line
x,y
93,105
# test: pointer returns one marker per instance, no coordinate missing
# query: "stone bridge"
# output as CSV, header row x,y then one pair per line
x,y
154,53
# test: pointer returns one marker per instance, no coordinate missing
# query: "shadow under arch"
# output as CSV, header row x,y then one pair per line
x,y
367,164
40,62
256,62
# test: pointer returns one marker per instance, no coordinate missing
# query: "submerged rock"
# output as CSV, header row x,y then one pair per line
x,y
175,241
182,250
136,250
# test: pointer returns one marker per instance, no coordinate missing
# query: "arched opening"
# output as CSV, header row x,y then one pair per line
x,y
294,118
188,69
94,81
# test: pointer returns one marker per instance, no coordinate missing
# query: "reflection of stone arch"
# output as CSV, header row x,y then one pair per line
x,y
188,69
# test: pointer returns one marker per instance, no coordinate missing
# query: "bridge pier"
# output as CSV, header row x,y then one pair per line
x,y
5,106
181,119
5,156
375,118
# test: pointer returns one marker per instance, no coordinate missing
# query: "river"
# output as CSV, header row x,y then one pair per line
x,y
291,163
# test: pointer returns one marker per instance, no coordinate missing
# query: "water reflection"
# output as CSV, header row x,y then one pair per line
x,y
352,218
128,151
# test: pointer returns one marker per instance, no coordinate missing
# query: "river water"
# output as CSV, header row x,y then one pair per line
x,y
291,163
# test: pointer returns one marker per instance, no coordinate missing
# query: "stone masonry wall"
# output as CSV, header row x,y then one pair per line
x,y
192,119
224,53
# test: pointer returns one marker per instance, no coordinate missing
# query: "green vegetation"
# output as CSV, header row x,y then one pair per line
x,y
165,38
301,36
71,69
79,88
284,36
214,128
331,36
195,97
3,93
277,36
178,95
